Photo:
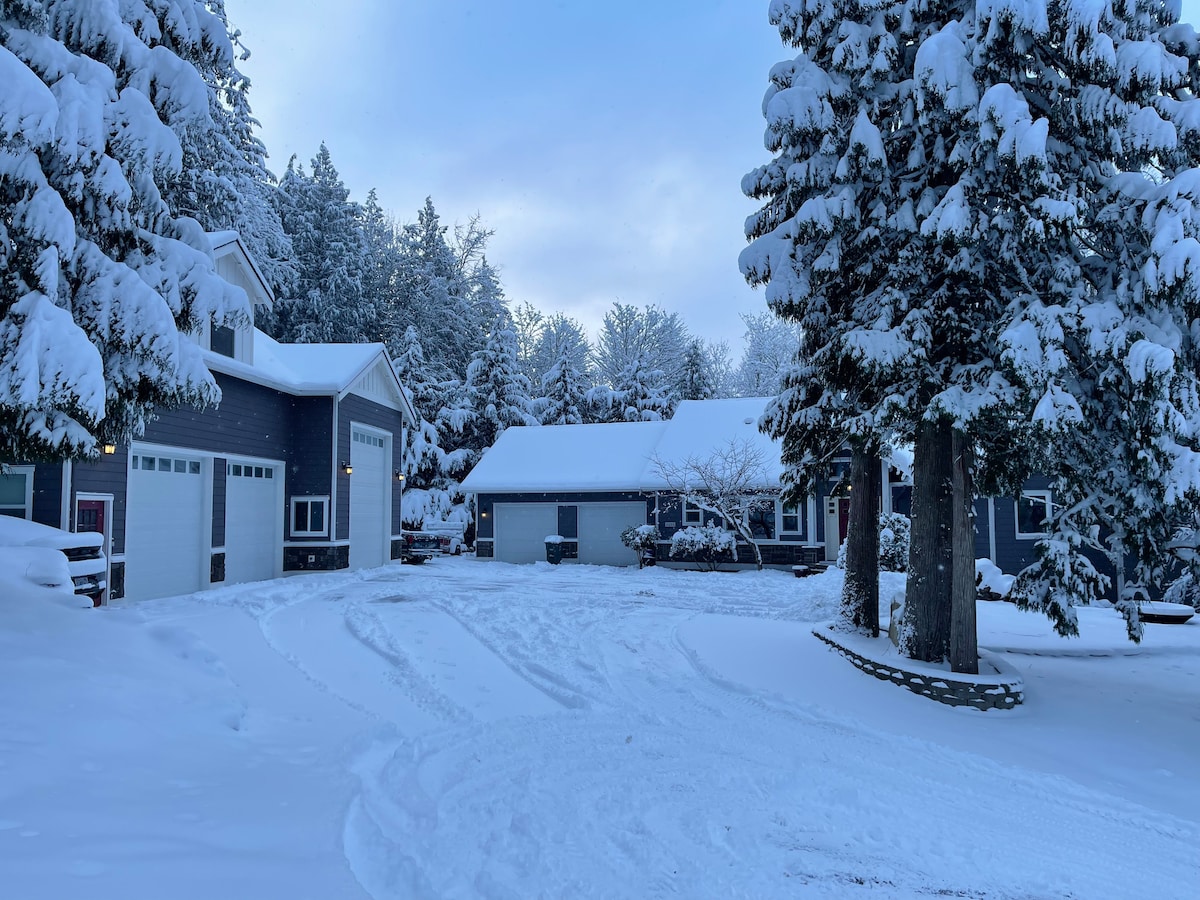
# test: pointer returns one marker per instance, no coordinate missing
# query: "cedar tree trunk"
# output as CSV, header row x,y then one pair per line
x,y
964,648
860,592
926,629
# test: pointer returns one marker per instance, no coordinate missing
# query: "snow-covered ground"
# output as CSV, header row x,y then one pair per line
x,y
470,729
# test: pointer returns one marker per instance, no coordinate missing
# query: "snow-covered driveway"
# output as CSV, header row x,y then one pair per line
x,y
470,729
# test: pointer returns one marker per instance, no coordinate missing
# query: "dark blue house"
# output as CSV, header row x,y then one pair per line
x,y
297,469
587,483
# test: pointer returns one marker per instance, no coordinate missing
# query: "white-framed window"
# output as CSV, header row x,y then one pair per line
x,y
163,464
362,437
310,516
16,491
790,519
1032,510
692,514
762,521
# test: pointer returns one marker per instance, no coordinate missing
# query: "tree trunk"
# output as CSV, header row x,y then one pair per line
x,y
964,647
925,634
860,592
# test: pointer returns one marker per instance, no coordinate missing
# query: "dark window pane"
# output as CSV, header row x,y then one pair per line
x,y
270,473
181,465
220,339
148,463
300,517
193,468
237,470
258,472
317,516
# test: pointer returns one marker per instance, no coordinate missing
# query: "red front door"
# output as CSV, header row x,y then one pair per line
x,y
90,516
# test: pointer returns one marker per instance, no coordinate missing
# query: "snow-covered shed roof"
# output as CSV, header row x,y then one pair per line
x,y
621,456
608,457
700,427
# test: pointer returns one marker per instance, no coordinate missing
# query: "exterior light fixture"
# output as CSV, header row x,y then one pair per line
x,y
110,449
347,468
399,476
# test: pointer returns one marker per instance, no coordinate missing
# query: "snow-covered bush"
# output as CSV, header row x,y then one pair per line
x,y
990,582
894,531
1184,589
706,545
641,540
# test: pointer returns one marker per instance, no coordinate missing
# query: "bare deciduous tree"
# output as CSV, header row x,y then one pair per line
x,y
731,482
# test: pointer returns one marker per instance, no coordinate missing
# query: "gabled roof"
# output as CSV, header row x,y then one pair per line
x,y
225,243
566,458
307,370
620,457
700,427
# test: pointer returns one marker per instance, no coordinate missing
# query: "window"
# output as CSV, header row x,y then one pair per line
x,y
692,514
789,518
221,339
761,520
1033,508
371,440
16,491
308,516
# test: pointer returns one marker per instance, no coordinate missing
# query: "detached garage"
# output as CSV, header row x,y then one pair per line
x,y
577,482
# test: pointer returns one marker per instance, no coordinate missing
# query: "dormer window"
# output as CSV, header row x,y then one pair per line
x,y
221,339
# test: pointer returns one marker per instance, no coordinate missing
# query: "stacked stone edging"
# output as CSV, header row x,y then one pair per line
x,y
1003,692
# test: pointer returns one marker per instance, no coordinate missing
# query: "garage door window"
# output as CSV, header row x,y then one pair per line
x,y
308,516
361,437
164,464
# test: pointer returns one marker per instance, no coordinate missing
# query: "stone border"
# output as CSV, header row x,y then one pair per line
x,y
1003,690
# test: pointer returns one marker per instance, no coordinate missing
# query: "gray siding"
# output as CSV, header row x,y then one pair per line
x,y
310,464
47,495
250,419
107,475
358,409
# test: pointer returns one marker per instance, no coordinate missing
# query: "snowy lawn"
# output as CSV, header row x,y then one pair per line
x,y
472,729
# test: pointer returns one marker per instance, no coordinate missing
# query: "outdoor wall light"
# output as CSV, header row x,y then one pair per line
x,y
110,449
399,476
347,468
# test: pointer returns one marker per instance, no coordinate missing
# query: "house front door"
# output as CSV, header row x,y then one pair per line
x,y
837,523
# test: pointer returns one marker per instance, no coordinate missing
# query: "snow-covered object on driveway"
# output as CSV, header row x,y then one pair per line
x,y
82,554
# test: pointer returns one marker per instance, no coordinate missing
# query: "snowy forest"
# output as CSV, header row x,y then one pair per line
x,y
127,132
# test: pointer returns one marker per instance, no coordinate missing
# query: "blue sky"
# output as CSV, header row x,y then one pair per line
x,y
604,142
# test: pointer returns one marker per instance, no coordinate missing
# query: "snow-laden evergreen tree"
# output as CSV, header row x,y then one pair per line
x,y
564,393
224,182
438,296
423,454
325,227
640,393
696,380
381,279
497,391
98,275
965,203
1113,353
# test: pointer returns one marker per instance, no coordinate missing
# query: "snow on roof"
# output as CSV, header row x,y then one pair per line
x,y
621,456
299,368
700,427
537,458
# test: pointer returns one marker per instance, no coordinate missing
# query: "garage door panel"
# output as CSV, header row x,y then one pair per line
x,y
600,527
165,524
253,522
370,499
521,530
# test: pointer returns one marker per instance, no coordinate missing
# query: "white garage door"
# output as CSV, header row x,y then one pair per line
x,y
253,522
600,527
166,531
370,499
521,530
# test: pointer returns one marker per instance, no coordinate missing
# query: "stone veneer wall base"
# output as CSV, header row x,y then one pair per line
x,y
1006,690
